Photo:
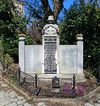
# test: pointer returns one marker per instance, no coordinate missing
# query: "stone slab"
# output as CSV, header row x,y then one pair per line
x,y
33,58
67,59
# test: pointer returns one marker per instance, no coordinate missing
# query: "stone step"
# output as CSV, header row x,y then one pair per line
x,y
30,77
67,77
50,76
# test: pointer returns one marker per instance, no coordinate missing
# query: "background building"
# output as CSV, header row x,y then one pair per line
x,y
19,4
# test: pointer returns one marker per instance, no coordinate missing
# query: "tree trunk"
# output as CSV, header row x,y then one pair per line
x,y
58,5
46,7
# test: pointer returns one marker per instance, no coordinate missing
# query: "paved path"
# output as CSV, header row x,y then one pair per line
x,y
94,100
9,97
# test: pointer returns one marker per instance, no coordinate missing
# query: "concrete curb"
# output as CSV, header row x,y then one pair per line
x,y
89,95
63,100
71,102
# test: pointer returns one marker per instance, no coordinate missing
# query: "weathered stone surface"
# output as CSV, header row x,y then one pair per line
x,y
24,100
34,58
5,100
96,104
12,104
22,53
20,102
9,97
26,104
88,104
98,96
41,104
99,101
2,94
3,85
12,94
68,59
15,99
20,97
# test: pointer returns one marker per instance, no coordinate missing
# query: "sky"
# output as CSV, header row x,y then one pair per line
x,y
67,4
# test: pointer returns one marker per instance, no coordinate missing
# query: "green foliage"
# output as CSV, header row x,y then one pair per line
x,y
38,12
29,40
11,24
83,18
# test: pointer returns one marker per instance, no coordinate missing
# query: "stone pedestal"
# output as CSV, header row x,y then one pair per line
x,y
55,90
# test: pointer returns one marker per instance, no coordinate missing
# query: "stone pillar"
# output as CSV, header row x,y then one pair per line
x,y
80,56
22,52
50,45
58,43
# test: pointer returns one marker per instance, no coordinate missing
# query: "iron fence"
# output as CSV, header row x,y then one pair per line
x,y
40,86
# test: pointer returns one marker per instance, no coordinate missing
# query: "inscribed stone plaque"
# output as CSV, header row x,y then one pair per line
x,y
34,58
50,47
68,59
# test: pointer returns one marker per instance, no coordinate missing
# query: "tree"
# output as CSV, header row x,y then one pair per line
x,y
11,24
38,12
84,18
41,9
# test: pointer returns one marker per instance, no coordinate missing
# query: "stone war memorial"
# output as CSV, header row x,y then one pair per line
x,y
52,59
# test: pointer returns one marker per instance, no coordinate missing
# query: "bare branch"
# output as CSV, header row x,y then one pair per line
x,y
48,11
58,5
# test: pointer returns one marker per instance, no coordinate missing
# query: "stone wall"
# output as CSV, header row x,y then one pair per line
x,y
69,58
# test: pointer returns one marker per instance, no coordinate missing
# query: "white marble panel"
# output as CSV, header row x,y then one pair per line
x,y
33,58
68,59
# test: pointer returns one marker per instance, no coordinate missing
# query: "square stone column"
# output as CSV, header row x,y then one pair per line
x,y
80,56
50,42
22,52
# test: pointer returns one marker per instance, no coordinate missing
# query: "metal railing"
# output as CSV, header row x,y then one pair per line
x,y
43,87
25,81
35,85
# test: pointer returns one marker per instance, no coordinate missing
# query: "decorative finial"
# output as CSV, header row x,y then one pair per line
x,y
50,18
79,37
21,35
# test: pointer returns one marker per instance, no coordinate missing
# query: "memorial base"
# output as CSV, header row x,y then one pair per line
x,y
55,90
67,77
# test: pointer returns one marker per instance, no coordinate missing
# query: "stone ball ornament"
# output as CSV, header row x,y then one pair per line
x,y
50,29
50,18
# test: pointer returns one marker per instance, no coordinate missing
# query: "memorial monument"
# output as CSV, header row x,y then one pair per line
x,y
50,46
52,59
